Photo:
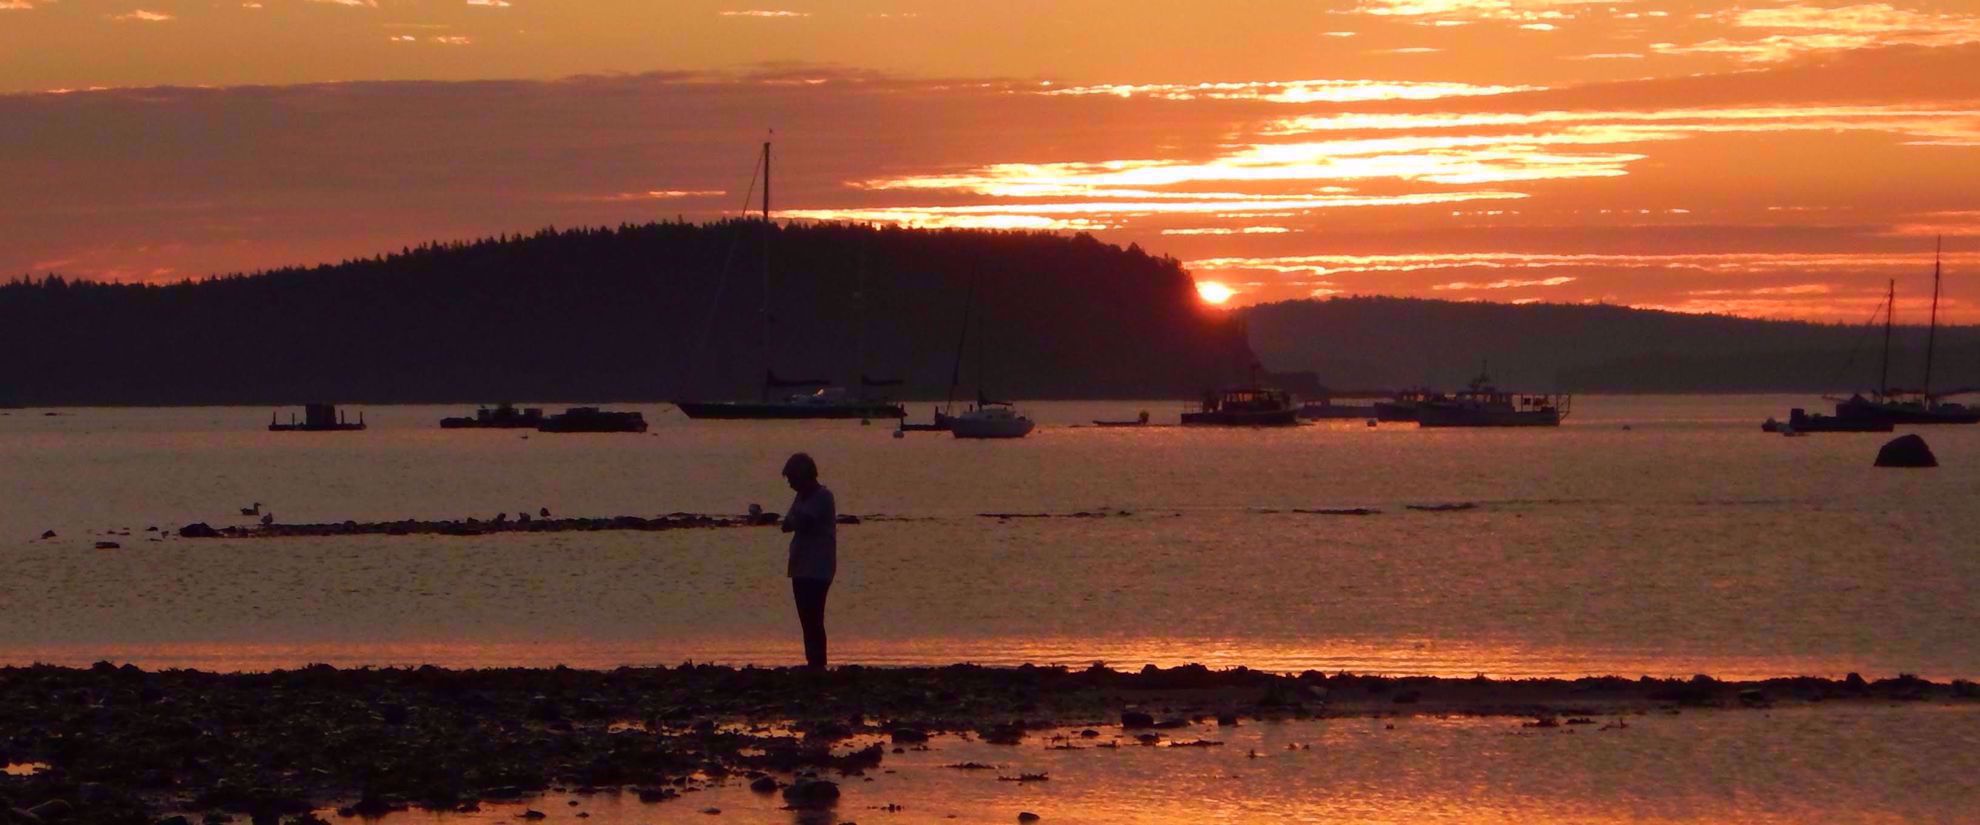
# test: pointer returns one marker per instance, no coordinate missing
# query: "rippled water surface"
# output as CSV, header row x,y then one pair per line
x,y
1832,765
1660,535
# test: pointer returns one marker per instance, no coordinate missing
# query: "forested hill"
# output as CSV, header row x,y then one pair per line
x,y
1396,342
657,311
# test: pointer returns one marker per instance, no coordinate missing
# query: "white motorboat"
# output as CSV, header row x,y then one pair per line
x,y
990,419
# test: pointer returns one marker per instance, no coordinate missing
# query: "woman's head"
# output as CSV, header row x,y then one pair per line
x,y
800,471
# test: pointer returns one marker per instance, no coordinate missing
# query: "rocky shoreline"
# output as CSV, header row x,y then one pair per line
x,y
120,744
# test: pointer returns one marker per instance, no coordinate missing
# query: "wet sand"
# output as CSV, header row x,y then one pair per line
x,y
113,743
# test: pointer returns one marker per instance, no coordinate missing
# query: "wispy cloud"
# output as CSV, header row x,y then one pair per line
x,y
649,195
355,3
765,13
1641,192
1508,283
498,4
1702,264
1093,215
1292,91
141,16
1479,9
1230,230
1802,29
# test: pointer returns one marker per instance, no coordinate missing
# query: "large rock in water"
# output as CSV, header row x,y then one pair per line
x,y
198,530
806,792
1906,451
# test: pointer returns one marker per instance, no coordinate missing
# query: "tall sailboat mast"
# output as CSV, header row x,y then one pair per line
x,y
962,339
1884,373
1932,332
763,325
859,317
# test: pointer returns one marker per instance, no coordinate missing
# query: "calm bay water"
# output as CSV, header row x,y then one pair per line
x,y
1658,535
1832,765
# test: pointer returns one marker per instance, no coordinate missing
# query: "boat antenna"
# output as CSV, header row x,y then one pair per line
x,y
1932,332
1890,310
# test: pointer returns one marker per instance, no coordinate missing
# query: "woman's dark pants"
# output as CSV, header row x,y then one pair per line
x,y
810,594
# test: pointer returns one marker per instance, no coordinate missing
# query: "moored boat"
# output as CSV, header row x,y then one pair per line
x,y
1138,421
502,417
1325,408
824,402
1483,405
1908,406
593,420
1800,422
1402,407
939,423
317,418
1245,407
990,419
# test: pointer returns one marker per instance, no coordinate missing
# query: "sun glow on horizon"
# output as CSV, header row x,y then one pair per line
x,y
1214,293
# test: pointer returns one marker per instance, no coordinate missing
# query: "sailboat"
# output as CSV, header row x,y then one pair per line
x,y
987,418
823,400
1905,406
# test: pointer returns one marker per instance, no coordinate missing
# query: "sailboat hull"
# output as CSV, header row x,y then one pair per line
x,y
1907,413
729,410
968,427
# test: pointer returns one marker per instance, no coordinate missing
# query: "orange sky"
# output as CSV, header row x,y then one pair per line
x,y
1769,158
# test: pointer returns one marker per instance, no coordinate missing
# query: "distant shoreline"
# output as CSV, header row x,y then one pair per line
x,y
272,405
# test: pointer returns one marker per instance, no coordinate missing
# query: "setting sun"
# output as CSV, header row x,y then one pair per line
x,y
1213,292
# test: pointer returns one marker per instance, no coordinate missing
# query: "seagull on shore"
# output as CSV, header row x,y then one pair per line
x,y
252,511
544,512
267,519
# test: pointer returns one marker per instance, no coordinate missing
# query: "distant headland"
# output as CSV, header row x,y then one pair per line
x,y
635,312
669,310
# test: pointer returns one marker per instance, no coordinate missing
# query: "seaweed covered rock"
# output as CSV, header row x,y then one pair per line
x,y
1906,451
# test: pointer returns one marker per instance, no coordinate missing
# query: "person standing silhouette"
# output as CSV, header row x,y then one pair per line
x,y
813,523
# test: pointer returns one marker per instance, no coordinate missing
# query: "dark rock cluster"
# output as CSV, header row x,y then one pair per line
x,y
120,744
471,526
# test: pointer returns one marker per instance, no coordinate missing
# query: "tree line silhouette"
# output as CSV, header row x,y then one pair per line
x,y
1397,342
635,312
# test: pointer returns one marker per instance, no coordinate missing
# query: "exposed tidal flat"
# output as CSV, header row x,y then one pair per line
x,y
119,744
